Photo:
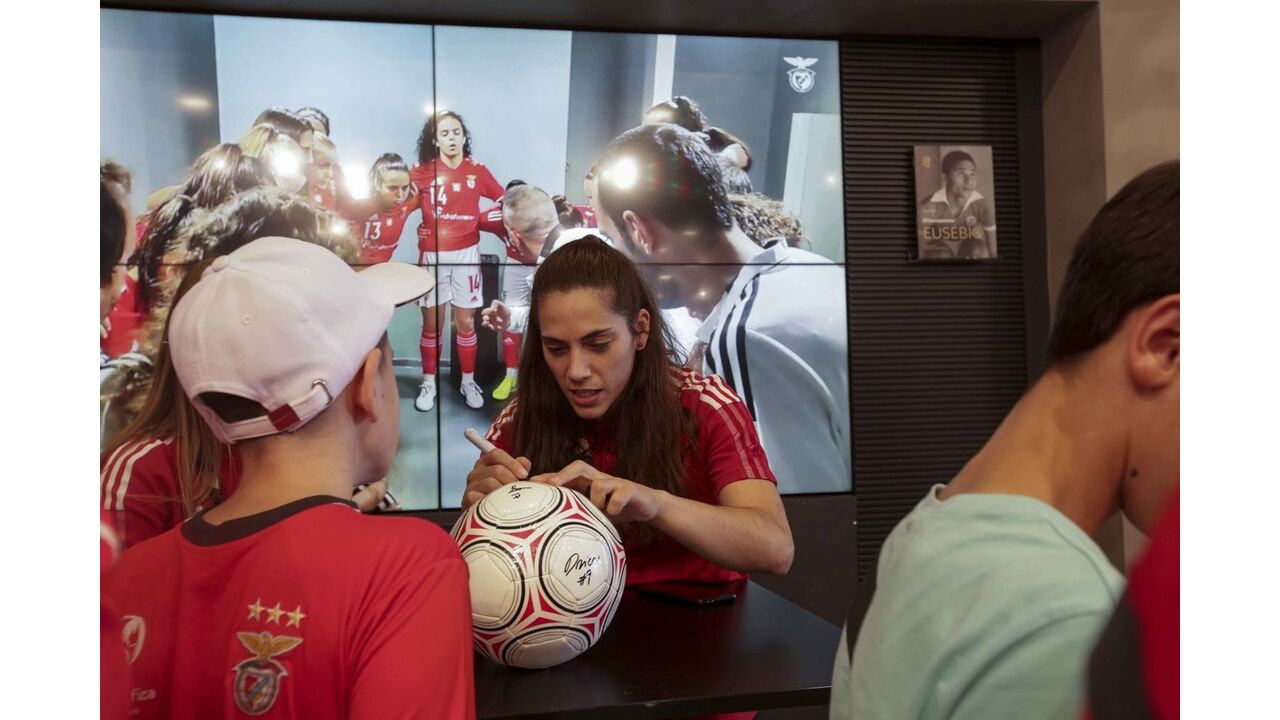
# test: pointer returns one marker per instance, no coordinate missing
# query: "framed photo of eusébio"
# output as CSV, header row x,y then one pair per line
x,y
955,202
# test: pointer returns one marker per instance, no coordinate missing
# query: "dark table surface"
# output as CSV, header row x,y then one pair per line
x,y
660,659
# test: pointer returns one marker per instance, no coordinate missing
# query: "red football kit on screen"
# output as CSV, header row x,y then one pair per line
x,y
311,610
491,221
450,201
139,488
727,449
380,234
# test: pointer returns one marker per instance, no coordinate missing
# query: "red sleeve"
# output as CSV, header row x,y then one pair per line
x,y
491,221
727,438
139,489
500,431
489,185
414,659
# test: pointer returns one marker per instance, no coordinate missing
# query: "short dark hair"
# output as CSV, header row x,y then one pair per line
x,y
427,148
515,183
1126,258
678,180
955,157
115,228
308,112
683,112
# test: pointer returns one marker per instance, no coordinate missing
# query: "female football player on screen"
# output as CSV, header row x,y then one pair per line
x,y
671,456
450,184
321,187
395,199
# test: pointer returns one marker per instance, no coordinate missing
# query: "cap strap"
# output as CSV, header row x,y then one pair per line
x,y
283,418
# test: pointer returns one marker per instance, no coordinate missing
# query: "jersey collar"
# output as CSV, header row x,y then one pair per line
x,y
199,532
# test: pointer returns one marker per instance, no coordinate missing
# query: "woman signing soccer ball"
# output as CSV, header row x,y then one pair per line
x,y
671,456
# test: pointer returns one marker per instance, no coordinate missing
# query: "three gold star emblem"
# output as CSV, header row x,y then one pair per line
x,y
274,614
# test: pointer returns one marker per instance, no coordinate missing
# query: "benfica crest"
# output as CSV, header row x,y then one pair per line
x,y
258,678
471,182
800,76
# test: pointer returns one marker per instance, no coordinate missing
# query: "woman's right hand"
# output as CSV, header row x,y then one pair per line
x,y
493,470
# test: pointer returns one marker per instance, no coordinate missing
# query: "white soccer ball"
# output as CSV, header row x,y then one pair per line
x,y
547,573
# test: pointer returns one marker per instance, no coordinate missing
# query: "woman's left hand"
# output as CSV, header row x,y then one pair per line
x,y
621,500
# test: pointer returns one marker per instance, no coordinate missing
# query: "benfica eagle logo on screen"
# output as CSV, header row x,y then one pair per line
x,y
258,678
800,75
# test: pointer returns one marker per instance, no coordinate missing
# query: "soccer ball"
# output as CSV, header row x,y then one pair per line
x,y
547,573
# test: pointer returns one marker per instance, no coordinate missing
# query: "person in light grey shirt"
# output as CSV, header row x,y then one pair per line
x,y
773,318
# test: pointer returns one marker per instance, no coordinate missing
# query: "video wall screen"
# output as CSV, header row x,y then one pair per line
x,y
504,105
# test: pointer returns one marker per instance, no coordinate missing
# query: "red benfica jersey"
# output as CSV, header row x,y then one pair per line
x,y
727,449
381,232
450,200
139,488
311,610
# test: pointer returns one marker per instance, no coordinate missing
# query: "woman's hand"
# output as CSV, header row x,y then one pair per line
x,y
621,500
493,470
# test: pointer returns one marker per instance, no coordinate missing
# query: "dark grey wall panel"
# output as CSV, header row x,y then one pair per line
x,y
937,351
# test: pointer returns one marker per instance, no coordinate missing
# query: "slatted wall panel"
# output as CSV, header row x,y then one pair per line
x,y
937,352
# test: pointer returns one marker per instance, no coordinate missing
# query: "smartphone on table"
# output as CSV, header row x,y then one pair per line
x,y
697,594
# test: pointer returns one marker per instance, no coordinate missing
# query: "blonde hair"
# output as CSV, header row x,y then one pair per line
x,y
254,143
323,141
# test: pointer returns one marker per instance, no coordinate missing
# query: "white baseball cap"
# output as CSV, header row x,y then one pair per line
x,y
284,323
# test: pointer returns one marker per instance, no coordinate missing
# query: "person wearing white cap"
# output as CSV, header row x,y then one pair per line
x,y
284,598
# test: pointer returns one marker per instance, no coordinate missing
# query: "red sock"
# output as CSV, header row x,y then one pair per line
x,y
429,344
467,352
511,349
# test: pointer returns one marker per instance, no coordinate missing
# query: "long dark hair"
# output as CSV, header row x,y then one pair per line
x,y
217,175
427,148
648,424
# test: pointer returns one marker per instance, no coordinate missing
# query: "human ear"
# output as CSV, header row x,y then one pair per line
x,y
364,387
639,231
641,328
1154,345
